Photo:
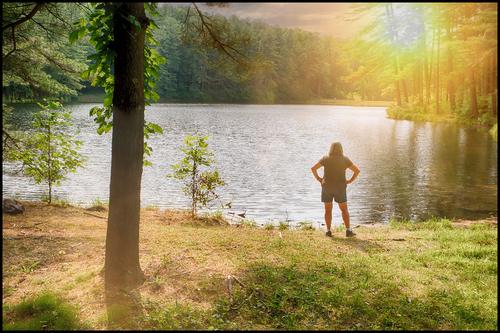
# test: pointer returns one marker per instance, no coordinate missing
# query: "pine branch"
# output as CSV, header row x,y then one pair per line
x,y
35,9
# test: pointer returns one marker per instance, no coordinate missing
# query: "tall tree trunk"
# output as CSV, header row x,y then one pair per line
x,y
427,84
473,94
494,104
437,72
461,90
396,82
122,269
49,159
451,86
493,73
390,18
420,84
429,81
405,90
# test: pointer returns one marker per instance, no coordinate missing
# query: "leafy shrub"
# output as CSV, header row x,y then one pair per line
x,y
200,183
44,312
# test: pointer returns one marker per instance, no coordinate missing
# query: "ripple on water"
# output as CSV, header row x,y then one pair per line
x,y
264,153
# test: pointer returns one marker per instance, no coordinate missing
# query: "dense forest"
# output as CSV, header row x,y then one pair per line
x,y
438,60
432,61
265,64
273,65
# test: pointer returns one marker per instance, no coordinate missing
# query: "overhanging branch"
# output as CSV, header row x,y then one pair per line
x,y
35,9
207,26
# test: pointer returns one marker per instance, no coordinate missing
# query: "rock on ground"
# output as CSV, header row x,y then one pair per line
x,y
11,206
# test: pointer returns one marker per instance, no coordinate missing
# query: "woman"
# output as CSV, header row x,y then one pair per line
x,y
334,184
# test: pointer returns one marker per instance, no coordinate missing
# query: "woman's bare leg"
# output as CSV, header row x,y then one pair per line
x,y
328,215
345,214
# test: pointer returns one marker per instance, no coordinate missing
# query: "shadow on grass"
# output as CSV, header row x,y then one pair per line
x,y
336,297
28,253
364,245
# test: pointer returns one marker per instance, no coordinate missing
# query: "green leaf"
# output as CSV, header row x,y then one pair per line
x,y
73,36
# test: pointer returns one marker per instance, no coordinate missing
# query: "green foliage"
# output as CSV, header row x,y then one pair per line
x,y
98,25
98,205
436,60
283,226
306,225
430,224
37,60
494,132
49,153
269,226
200,183
176,317
44,312
275,65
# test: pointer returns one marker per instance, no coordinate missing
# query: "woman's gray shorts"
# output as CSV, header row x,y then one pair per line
x,y
339,193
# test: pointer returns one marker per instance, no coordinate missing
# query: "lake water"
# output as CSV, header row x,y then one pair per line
x,y
265,152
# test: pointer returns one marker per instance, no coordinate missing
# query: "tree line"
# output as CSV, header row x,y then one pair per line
x,y
266,64
436,58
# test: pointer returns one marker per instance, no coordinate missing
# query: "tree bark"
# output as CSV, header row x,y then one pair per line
x,y
437,72
494,73
494,104
405,90
122,269
473,94
429,81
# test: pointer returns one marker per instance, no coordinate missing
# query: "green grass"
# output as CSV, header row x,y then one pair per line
x,y
435,276
306,225
43,312
430,275
56,201
268,226
283,226
98,205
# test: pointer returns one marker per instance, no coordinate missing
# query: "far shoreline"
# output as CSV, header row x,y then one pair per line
x,y
323,101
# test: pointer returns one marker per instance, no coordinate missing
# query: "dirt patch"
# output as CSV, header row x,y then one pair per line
x,y
468,223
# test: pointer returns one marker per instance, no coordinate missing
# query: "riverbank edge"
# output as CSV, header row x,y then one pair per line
x,y
323,101
412,115
187,262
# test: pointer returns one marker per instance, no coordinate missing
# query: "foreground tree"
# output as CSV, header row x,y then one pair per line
x,y
200,183
48,153
122,63
126,65
122,238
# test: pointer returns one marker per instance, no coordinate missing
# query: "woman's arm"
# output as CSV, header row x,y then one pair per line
x,y
356,171
314,170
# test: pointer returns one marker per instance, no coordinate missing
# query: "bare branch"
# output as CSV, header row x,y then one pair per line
x,y
58,64
35,9
9,137
57,16
43,27
207,26
13,42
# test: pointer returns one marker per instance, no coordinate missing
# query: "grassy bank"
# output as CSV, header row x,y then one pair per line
x,y
415,113
349,102
432,275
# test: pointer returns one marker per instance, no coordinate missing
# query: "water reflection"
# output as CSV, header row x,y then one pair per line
x,y
264,153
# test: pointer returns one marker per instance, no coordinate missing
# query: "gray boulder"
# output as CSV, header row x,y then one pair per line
x,y
11,206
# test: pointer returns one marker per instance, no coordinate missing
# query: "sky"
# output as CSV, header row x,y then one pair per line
x,y
324,18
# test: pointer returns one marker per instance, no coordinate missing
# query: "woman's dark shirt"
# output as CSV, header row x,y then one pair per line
x,y
335,167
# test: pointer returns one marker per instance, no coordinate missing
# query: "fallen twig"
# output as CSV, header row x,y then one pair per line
x,y
229,281
101,217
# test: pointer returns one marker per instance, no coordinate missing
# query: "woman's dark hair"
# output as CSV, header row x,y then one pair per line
x,y
336,149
